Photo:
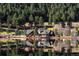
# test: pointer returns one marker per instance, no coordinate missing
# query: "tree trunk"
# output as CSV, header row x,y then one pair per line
x,y
0,24
8,24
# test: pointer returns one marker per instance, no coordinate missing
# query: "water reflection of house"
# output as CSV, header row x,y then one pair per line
x,y
74,37
29,34
43,37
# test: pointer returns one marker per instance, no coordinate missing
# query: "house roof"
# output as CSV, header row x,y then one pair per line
x,y
28,31
43,31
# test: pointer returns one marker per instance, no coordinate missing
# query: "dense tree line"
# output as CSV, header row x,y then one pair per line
x,y
16,14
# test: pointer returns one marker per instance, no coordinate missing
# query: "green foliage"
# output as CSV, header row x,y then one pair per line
x,y
30,18
21,13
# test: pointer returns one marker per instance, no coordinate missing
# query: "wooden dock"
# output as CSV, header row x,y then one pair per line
x,y
24,37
